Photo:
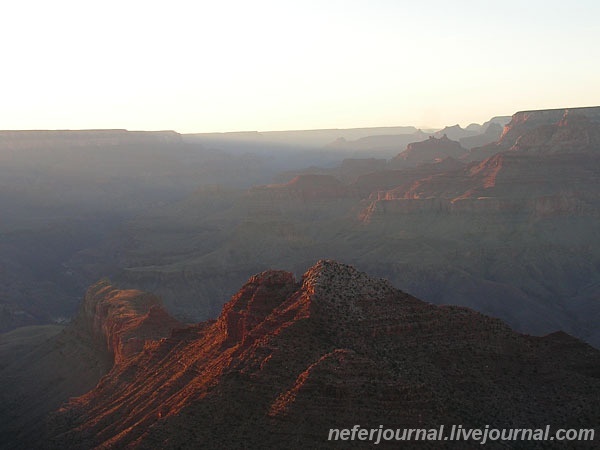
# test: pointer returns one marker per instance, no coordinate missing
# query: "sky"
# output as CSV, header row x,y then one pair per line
x,y
227,65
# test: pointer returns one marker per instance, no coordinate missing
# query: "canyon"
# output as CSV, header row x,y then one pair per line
x,y
513,235
288,359
493,232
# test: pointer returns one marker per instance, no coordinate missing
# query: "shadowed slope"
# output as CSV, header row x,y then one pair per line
x,y
43,366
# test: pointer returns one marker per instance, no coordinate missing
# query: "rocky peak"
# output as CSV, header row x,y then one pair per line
x,y
339,290
345,281
365,352
329,290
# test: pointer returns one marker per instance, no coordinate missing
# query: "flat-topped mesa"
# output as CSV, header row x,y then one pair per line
x,y
32,139
566,130
531,119
573,133
123,320
524,121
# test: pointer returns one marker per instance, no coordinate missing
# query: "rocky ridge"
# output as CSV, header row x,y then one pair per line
x,y
547,131
45,366
535,150
514,236
123,320
287,360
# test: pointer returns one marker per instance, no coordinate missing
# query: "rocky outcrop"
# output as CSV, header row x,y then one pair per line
x,y
45,366
568,130
524,121
573,133
427,151
544,163
562,204
124,320
254,302
285,362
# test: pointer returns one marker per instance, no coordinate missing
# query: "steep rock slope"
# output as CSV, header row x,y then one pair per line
x,y
548,167
285,361
538,128
43,366
122,320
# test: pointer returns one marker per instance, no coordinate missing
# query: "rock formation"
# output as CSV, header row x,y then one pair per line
x,y
427,151
122,320
42,367
513,235
288,360
572,129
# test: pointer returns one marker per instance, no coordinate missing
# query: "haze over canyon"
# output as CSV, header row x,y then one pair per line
x,y
166,290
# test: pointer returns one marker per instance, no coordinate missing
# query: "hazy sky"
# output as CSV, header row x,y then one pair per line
x,y
269,65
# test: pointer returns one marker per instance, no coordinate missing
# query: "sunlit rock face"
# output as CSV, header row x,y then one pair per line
x,y
44,366
290,359
571,130
123,320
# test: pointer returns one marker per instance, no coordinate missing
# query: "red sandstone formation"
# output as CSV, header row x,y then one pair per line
x,y
124,320
286,361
